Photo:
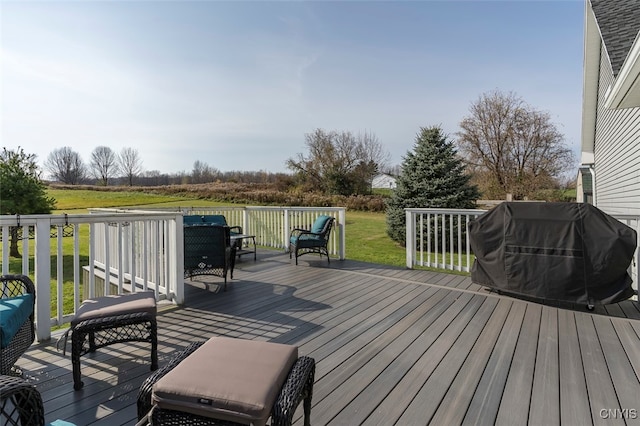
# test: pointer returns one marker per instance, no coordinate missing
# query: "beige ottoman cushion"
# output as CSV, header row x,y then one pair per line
x,y
229,379
107,306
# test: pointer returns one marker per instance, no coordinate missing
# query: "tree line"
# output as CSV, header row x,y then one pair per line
x,y
504,145
107,167
507,147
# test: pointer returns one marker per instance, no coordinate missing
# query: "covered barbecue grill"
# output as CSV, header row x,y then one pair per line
x,y
567,252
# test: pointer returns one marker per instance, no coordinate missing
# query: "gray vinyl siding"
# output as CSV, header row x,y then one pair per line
x,y
617,152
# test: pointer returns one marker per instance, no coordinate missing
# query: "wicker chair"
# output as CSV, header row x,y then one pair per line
x,y
20,403
303,241
208,251
17,307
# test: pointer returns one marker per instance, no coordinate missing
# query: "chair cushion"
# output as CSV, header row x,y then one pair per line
x,y
107,306
298,239
228,379
216,219
14,311
319,224
192,220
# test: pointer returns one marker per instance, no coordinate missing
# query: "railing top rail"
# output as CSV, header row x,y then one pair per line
x,y
65,219
295,208
182,209
445,211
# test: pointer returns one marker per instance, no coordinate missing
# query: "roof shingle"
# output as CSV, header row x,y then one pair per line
x,y
619,23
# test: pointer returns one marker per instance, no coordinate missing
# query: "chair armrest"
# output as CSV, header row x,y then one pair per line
x,y
17,392
236,229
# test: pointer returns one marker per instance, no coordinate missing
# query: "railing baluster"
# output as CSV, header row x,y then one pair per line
x,y
59,277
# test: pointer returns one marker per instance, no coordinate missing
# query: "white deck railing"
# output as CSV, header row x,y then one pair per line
x,y
439,238
112,251
51,244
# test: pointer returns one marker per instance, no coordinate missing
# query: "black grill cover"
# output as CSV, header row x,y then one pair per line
x,y
568,252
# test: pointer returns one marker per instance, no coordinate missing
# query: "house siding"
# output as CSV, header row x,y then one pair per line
x,y
617,153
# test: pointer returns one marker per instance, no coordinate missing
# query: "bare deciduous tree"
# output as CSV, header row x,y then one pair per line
x,y
103,164
516,148
130,164
340,162
66,166
203,173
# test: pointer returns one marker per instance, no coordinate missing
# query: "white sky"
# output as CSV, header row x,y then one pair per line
x,y
238,84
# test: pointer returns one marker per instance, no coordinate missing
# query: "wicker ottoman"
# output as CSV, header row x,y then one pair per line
x,y
113,319
227,381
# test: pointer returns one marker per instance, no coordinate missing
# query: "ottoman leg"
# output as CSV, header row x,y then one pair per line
x,y
153,332
298,388
92,341
308,393
77,337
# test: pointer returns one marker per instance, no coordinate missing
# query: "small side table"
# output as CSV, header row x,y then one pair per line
x,y
237,239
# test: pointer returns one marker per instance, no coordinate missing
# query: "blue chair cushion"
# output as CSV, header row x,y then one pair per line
x,y
216,219
61,423
14,311
308,238
192,219
319,224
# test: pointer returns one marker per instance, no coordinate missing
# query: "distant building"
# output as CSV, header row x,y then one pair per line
x,y
383,181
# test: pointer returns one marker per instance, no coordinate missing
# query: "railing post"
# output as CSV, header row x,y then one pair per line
x,y
43,279
285,231
410,243
245,221
342,219
6,237
178,267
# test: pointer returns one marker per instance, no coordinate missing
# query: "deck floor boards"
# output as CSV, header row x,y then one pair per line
x,y
392,346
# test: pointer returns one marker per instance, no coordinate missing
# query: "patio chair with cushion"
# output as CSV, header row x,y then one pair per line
x,y
208,251
17,330
315,240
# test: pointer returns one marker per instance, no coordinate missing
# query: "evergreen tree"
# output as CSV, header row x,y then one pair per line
x,y
21,189
432,176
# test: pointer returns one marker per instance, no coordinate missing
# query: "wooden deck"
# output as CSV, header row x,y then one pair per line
x,y
392,346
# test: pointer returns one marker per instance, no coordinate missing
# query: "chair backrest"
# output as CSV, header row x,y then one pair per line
x,y
322,225
216,219
207,244
209,219
192,220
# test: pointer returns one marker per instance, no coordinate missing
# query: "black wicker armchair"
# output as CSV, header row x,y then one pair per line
x,y
315,240
17,330
208,251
